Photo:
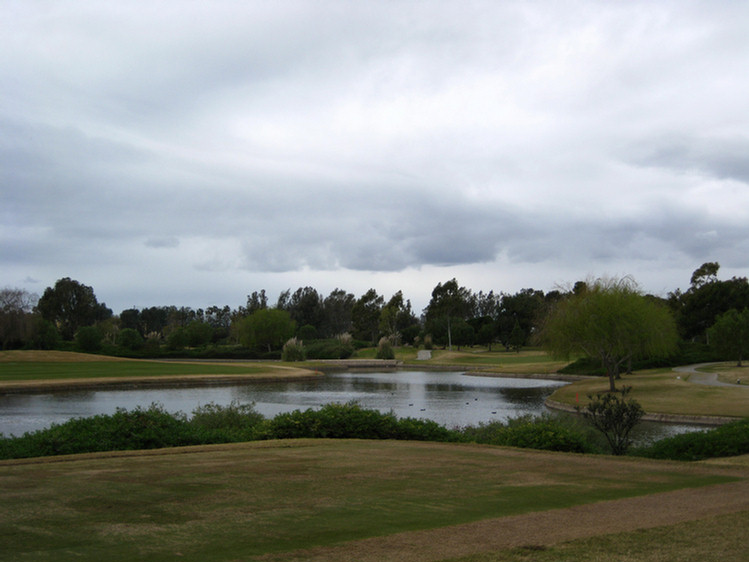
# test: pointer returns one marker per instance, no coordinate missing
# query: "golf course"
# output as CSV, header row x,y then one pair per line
x,y
352,499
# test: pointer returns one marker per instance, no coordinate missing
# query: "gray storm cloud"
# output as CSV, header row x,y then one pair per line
x,y
279,143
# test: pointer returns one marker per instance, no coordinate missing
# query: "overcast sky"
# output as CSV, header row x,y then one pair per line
x,y
191,152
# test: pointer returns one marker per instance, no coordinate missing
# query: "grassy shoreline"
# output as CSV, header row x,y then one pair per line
x,y
30,372
665,395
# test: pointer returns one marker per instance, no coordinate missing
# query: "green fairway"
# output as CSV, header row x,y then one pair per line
x,y
58,370
29,366
238,501
527,361
666,392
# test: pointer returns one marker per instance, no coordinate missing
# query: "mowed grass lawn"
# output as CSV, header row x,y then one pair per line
x,y
236,502
666,392
523,362
36,366
527,361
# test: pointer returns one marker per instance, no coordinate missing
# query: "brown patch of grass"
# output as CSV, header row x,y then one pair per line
x,y
241,500
730,373
36,356
740,461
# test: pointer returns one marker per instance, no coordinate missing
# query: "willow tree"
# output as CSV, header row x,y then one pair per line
x,y
610,320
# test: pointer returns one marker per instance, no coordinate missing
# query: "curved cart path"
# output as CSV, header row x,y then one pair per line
x,y
538,529
698,377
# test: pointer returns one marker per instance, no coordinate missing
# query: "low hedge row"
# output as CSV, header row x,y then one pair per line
x,y
727,440
153,427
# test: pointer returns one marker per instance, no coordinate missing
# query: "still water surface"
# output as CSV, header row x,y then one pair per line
x,y
451,399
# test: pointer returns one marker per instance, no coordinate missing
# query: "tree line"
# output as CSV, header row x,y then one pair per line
x,y
455,316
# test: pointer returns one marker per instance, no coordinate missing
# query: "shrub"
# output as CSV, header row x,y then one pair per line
x,y
614,416
150,428
130,339
307,332
412,429
155,428
88,339
540,432
293,350
332,420
385,349
235,422
728,440
177,339
198,333
329,349
45,335
351,421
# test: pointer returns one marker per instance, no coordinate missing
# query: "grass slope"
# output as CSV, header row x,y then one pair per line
x,y
713,539
19,366
245,500
666,392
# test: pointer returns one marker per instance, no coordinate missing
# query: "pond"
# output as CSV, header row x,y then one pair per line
x,y
449,398
452,399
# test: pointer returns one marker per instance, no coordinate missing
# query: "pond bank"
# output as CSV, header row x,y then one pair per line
x,y
708,421
166,381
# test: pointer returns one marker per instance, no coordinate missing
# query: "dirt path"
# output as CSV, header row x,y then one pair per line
x,y
537,529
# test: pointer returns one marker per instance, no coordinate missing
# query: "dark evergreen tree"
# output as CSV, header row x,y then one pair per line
x,y
70,305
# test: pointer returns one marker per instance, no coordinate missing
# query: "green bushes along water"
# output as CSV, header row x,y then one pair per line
x,y
153,428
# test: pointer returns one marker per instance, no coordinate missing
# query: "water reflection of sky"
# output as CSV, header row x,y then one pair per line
x,y
449,398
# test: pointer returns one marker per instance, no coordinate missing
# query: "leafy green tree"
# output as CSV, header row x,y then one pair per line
x,y
614,415
153,320
706,273
486,330
486,305
179,317
707,298
611,321
266,328
365,316
256,301
219,319
524,309
71,305
730,334
397,320
517,338
463,333
305,306
449,303
337,309
130,320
